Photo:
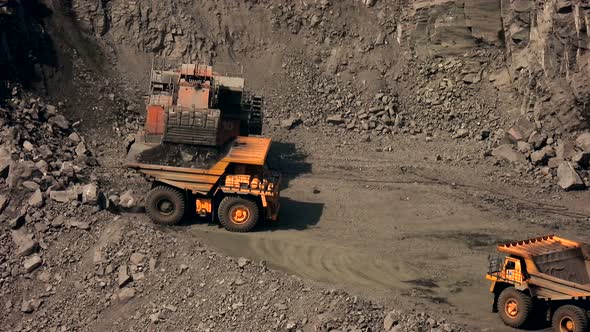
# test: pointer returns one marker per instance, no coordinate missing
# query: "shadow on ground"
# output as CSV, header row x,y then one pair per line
x,y
295,215
288,160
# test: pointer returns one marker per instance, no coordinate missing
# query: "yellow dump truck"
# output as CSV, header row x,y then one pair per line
x,y
548,275
237,188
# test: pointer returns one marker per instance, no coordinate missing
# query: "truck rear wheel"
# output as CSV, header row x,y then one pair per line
x,y
570,318
165,205
238,214
514,307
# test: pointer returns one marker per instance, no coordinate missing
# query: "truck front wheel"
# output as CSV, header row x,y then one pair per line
x,y
165,205
238,214
514,307
570,318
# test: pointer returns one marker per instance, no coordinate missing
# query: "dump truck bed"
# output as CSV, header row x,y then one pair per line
x,y
557,268
242,150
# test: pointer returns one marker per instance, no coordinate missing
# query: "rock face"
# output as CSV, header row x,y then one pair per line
x,y
545,39
452,27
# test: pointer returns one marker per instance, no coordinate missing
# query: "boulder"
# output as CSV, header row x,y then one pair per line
x,y
289,123
523,147
242,262
36,200
537,140
554,162
81,149
74,137
127,200
31,185
583,141
4,200
568,178
64,196
28,146
90,194
461,133
67,169
24,243
45,151
565,150
335,119
126,294
123,276
31,305
59,121
79,224
51,110
32,263
42,166
19,171
506,152
522,129
542,156
136,258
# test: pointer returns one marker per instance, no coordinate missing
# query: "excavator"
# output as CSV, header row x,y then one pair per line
x,y
195,105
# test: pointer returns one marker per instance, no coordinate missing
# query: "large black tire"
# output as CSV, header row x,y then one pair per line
x,y
570,318
165,205
238,214
514,307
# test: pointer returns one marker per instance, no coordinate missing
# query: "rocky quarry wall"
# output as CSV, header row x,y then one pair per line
x,y
545,44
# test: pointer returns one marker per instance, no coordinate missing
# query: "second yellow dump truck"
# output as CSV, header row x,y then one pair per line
x,y
549,276
237,188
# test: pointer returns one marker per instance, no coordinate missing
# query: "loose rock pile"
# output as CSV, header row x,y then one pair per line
x,y
44,164
549,158
43,157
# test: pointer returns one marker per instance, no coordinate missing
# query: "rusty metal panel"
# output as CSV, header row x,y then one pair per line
x,y
190,96
249,150
161,100
155,121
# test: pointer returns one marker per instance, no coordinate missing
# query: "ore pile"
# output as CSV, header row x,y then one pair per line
x,y
181,155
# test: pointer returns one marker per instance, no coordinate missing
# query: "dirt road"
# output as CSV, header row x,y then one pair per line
x,y
363,222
